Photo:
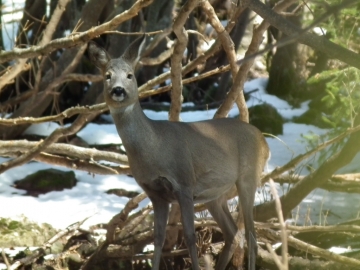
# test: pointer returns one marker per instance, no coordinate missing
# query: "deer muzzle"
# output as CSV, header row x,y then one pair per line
x,y
118,93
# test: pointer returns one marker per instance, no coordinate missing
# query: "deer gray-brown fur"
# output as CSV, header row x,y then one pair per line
x,y
184,163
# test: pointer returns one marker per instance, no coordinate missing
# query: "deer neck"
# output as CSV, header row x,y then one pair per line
x,y
131,124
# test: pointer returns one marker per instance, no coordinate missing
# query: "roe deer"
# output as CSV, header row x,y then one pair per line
x,y
184,163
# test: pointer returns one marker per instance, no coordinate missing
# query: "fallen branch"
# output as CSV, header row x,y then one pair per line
x,y
76,164
302,229
68,150
54,136
300,245
118,221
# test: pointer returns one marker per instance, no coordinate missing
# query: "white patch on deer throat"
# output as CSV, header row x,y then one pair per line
x,y
129,108
118,98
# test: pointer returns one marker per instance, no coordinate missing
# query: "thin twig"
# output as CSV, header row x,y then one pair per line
x,y
6,261
134,33
283,264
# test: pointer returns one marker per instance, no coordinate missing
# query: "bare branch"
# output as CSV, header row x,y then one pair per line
x,y
147,61
53,118
176,59
229,48
76,38
163,89
197,61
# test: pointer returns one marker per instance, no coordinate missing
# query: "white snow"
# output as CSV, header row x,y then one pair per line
x,y
62,208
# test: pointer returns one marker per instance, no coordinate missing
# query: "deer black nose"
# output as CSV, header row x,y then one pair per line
x,y
118,91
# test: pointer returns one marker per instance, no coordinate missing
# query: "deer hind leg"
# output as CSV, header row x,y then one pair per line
x,y
246,187
161,213
219,210
185,200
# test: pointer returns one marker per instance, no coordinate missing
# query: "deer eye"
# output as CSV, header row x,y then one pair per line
x,y
107,76
129,76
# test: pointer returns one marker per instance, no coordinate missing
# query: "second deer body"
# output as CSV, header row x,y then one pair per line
x,y
184,163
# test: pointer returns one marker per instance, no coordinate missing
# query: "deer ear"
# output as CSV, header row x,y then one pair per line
x,y
98,56
133,52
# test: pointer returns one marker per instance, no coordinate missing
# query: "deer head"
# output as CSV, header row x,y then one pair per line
x,y
120,86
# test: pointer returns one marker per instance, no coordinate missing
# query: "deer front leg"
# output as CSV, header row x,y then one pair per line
x,y
185,200
161,213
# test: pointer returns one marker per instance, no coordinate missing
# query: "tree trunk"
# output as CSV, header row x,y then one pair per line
x,y
287,70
